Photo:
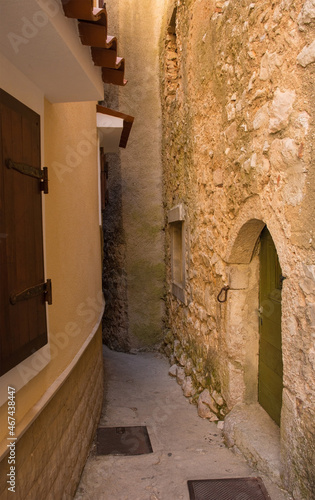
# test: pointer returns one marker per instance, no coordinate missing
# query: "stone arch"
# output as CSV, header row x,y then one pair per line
x,y
245,242
246,230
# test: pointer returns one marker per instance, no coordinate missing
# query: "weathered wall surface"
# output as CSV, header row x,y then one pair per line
x,y
115,319
238,117
137,27
53,451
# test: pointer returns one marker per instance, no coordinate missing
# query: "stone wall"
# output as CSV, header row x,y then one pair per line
x,y
238,116
138,24
115,319
50,456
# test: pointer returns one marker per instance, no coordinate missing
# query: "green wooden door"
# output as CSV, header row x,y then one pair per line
x,y
270,349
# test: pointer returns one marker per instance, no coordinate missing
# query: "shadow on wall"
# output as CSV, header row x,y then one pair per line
x,y
115,319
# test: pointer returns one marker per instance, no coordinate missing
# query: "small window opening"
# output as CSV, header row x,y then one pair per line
x,y
177,253
176,220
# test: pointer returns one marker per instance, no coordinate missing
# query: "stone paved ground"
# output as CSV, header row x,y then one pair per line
x,y
139,391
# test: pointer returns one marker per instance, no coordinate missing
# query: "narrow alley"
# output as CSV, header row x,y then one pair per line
x,y
139,392
157,249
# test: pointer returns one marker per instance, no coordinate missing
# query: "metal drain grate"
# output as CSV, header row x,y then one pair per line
x,y
123,441
242,488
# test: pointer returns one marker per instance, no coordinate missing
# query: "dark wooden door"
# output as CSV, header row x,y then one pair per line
x,y
270,349
22,325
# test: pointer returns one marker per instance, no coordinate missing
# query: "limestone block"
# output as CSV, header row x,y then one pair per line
x,y
202,315
266,147
220,425
289,152
264,68
168,350
217,398
183,359
307,14
204,329
310,312
307,55
293,191
188,387
251,81
207,406
284,155
309,271
180,375
281,109
213,418
210,303
178,351
200,378
307,285
253,160
189,367
239,277
205,260
301,125
198,294
236,385
169,339
261,117
220,268
204,411
218,177
173,371
235,307
269,63
230,111
172,55
231,133
264,166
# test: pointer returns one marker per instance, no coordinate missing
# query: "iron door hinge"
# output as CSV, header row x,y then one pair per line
x,y
33,291
37,173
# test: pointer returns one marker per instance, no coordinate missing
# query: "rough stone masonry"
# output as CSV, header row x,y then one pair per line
x,y
237,90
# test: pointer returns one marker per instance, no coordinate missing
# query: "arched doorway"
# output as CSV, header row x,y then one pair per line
x,y
259,286
253,259
270,367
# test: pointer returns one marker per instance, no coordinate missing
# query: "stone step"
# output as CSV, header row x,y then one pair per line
x,y
249,429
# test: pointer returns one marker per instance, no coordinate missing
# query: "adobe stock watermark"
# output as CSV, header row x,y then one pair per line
x,y
74,156
90,310
30,28
268,306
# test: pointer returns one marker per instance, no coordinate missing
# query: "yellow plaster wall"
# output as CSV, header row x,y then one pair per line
x,y
72,234
72,254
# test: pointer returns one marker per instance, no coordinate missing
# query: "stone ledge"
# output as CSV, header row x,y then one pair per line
x,y
249,429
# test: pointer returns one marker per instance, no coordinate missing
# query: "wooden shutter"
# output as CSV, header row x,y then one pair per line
x,y
23,328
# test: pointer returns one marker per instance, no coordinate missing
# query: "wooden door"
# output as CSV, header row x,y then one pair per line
x,y
270,349
22,324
